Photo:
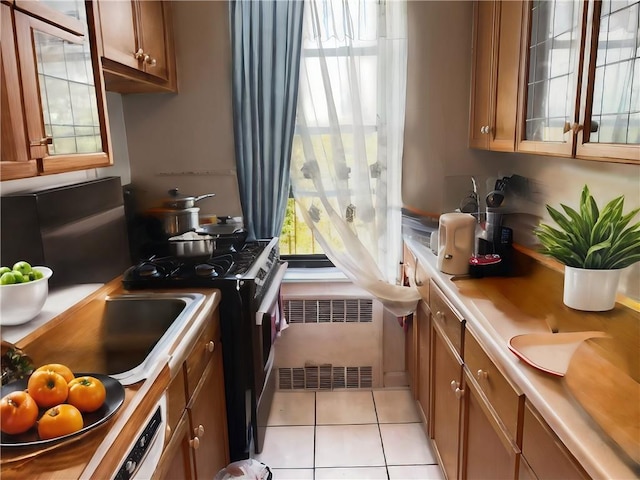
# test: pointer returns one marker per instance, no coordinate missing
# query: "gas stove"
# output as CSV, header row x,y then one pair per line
x,y
249,278
253,261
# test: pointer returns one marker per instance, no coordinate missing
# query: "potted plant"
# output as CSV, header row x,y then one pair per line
x,y
594,245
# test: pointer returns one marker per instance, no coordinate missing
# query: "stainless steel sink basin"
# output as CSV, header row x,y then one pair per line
x,y
138,328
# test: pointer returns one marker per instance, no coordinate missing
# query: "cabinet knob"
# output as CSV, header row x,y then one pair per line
x,y
194,443
211,346
459,393
439,315
150,61
139,55
482,374
198,431
454,385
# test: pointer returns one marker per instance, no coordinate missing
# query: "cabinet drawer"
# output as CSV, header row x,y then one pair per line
x,y
544,451
501,395
445,317
202,352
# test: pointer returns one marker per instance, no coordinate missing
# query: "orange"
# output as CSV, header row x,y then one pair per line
x,y
59,420
59,368
87,394
18,412
47,388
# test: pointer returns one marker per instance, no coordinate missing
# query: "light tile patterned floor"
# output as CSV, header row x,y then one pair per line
x,y
358,434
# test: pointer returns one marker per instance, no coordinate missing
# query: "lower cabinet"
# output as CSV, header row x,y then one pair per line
x,y
198,443
423,391
488,452
447,401
545,455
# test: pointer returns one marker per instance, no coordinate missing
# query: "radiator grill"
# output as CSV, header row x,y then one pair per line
x,y
324,377
328,311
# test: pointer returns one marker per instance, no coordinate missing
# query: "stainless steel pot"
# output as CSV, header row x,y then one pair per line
x,y
192,245
179,202
175,222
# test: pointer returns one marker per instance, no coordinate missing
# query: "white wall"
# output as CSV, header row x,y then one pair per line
x,y
185,140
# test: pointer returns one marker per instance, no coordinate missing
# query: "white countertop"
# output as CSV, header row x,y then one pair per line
x,y
58,301
547,393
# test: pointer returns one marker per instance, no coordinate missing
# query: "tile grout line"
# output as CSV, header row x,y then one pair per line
x,y
384,455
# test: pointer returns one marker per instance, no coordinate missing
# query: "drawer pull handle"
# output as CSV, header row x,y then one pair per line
x,y
198,431
455,387
439,315
482,374
211,346
194,443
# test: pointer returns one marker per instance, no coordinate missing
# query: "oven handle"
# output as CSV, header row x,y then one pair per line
x,y
272,295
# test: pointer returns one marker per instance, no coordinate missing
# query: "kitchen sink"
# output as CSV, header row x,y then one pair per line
x,y
138,328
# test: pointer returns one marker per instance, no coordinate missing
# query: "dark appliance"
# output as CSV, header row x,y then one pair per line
x,y
249,278
68,228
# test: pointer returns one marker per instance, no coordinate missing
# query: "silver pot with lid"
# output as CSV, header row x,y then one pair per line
x,y
179,202
178,213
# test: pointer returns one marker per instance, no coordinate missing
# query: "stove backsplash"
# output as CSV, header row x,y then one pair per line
x,y
77,230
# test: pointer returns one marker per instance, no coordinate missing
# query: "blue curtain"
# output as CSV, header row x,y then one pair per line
x,y
266,42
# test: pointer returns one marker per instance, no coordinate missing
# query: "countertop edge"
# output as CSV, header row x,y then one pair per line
x,y
546,394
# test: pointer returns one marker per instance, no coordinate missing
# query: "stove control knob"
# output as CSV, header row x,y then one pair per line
x,y
130,466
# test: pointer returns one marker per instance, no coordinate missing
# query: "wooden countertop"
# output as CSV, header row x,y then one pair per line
x,y
71,338
498,308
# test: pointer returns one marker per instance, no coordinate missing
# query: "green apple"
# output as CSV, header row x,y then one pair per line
x,y
7,278
22,267
19,277
37,274
4,270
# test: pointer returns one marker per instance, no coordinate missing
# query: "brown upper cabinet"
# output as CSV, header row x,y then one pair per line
x,y
137,46
494,83
580,83
54,116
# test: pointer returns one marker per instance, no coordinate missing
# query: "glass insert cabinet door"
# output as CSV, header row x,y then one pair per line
x,y
63,94
550,86
581,95
609,121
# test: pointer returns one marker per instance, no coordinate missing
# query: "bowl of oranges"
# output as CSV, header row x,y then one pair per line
x,y
54,404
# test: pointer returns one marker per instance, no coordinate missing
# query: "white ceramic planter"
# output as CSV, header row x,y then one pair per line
x,y
590,290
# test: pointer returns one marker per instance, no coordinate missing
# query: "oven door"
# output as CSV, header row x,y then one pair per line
x,y
268,323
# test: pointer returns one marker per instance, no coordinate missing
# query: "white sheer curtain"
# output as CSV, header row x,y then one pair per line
x,y
347,152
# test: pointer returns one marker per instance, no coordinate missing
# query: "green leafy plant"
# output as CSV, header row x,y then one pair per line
x,y
592,238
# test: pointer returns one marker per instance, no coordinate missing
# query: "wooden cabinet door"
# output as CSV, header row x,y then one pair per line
x,y
482,73
209,420
506,69
487,449
15,160
423,321
154,24
545,454
176,462
609,123
63,95
496,66
447,396
119,36
551,53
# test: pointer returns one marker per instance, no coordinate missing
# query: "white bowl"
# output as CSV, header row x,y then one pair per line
x,y
22,302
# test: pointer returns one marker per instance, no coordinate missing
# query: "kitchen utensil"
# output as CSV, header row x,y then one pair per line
x,y
179,202
175,222
455,242
607,387
494,198
192,244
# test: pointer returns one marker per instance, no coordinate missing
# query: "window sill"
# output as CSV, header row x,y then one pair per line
x,y
328,274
